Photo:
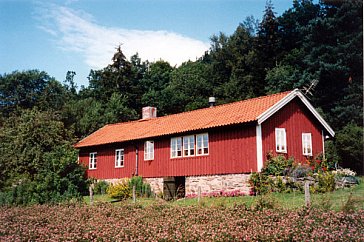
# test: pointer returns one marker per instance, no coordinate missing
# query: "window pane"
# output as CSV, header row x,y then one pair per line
x,y
92,160
205,143
179,147
148,150
151,150
176,147
307,143
185,146
199,139
281,145
173,143
205,138
188,145
202,144
173,147
121,157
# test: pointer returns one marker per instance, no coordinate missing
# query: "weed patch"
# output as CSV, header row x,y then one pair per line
x,y
165,222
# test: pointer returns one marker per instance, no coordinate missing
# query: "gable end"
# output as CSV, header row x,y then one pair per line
x,y
295,93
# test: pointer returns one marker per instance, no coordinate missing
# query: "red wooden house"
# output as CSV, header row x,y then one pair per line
x,y
213,148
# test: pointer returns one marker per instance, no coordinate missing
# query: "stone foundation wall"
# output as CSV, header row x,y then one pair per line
x,y
215,185
156,184
218,185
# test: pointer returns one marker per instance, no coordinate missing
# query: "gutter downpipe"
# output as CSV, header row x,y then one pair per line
x,y
323,144
136,160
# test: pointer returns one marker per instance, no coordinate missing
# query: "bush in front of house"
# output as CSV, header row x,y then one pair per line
x,y
141,189
123,189
277,165
120,190
101,187
284,175
300,171
326,182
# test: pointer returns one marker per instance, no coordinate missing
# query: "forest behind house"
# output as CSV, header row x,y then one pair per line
x,y
41,117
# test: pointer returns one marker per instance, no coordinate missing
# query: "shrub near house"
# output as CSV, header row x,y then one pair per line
x,y
284,175
123,188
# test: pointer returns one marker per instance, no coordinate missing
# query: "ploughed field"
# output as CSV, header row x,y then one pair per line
x,y
163,222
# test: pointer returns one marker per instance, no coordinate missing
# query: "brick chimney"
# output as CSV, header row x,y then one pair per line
x,y
149,112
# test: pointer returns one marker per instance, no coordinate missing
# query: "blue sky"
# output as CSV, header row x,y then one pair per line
x,y
79,35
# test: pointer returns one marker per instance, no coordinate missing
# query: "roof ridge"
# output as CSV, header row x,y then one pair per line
x,y
129,121
195,110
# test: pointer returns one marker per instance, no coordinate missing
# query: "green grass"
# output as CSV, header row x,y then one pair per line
x,y
98,198
332,200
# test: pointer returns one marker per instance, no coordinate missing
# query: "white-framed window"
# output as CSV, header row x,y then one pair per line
x,y
202,144
189,145
119,158
176,147
149,150
307,144
281,142
92,161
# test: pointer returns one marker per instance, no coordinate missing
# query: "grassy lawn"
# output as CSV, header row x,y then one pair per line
x,y
332,200
98,198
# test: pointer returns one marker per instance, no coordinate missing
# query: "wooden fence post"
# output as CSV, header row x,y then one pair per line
x,y
199,195
307,194
134,195
91,190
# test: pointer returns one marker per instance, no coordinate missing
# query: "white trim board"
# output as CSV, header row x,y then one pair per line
x,y
295,93
259,147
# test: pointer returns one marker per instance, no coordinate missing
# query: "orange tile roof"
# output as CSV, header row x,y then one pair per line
x,y
221,115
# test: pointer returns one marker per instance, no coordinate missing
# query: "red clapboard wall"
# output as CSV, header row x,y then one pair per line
x,y
296,119
231,150
106,161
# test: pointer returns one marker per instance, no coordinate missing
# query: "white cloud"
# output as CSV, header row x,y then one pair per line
x,y
77,31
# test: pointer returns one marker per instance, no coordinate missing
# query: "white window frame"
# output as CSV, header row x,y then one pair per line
x,y
189,146
149,150
307,144
92,163
176,147
281,140
203,145
119,158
